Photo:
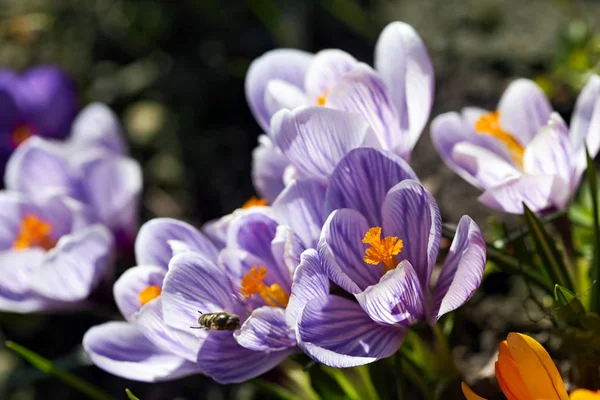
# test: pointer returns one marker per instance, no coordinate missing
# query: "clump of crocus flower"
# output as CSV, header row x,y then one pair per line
x,y
522,152
524,370
394,99
39,102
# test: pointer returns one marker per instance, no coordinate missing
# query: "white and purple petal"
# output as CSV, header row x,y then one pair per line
x,y
266,330
337,332
97,125
131,283
325,70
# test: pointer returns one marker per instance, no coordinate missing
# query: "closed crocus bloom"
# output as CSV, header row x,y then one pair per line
x,y
39,102
525,371
89,167
522,152
395,98
143,347
51,257
379,244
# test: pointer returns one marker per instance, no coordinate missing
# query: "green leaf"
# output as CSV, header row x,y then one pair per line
x,y
45,365
355,382
552,262
130,395
595,267
568,307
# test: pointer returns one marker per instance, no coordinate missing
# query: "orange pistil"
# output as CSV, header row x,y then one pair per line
x,y
489,124
254,202
253,283
149,293
382,250
34,232
322,98
21,133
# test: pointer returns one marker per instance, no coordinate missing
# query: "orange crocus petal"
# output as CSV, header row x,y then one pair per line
x,y
469,394
509,379
540,376
584,394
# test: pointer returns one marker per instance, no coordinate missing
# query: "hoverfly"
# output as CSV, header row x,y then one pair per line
x,y
219,321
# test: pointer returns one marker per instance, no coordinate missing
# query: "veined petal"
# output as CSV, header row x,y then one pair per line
x,y
362,180
539,373
337,332
131,283
342,251
268,167
226,361
550,152
284,64
462,270
121,349
411,213
315,139
524,109
325,70
397,299
195,283
73,268
152,242
182,341
584,111
287,248
301,207
97,125
363,92
310,281
486,168
281,95
266,330
539,192
404,64
37,166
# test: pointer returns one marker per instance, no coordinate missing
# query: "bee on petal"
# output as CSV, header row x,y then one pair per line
x,y
219,321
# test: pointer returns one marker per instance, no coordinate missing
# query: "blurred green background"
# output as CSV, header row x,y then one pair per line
x,y
174,72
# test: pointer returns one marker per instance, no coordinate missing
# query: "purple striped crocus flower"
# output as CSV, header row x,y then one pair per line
x,y
523,151
51,257
39,102
143,347
89,166
379,244
251,279
394,99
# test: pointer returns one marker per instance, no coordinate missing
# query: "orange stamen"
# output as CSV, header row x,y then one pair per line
x,y
253,283
489,124
21,133
34,232
382,250
322,98
254,202
149,293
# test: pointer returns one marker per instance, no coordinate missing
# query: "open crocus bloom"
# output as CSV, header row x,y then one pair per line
x,y
395,98
89,167
143,347
50,256
525,371
40,102
380,245
251,279
523,152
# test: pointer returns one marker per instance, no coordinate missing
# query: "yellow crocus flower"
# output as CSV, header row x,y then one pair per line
x,y
525,371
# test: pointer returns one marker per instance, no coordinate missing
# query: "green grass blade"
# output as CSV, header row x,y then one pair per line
x,y
552,261
130,395
45,365
595,267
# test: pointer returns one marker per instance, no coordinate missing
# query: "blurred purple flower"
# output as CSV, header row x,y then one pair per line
x,y
50,255
380,244
394,100
523,152
41,101
89,166
144,348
